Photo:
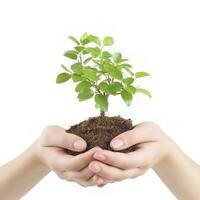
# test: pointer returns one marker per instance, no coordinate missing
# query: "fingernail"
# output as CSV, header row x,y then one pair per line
x,y
100,156
95,168
79,144
117,143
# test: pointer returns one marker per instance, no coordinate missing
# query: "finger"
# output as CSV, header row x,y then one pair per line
x,y
82,160
112,173
100,181
119,160
84,175
106,171
141,133
57,136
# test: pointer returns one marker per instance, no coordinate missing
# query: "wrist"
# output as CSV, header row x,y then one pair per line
x,y
169,156
35,154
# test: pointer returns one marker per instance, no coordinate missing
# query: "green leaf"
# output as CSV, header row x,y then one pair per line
x,y
118,86
87,60
71,54
127,67
141,74
101,102
131,89
63,77
128,80
106,55
65,68
112,88
85,94
82,85
113,71
90,74
77,77
74,39
94,39
123,60
103,86
144,91
84,39
95,52
107,41
79,48
127,97
76,67
117,57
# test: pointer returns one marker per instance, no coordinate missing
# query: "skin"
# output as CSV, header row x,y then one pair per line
x,y
45,155
97,166
155,150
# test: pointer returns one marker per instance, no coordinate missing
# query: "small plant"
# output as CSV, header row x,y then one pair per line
x,y
99,73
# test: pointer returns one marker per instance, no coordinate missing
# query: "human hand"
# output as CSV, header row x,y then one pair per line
x,y
152,147
50,151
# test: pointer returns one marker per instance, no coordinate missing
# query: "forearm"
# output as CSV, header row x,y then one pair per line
x,y
19,175
180,174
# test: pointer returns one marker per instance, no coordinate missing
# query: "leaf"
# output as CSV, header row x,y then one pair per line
x,y
82,85
85,94
127,67
107,41
130,89
144,91
112,88
118,86
71,54
94,39
101,102
65,68
63,77
123,60
141,74
103,86
117,57
87,60
79,48
90,74
127,97
77,77
74,39
95,52
84,39
106,55
113,71
76,67
128,80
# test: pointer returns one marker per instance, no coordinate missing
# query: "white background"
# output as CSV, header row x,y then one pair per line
x,y
161,37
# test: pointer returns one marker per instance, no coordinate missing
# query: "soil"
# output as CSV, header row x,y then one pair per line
x,y
99,131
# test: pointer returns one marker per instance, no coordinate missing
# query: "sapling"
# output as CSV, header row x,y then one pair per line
x,y
99,73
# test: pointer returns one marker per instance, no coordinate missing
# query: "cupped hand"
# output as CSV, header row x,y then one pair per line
x,y
152,147
50,151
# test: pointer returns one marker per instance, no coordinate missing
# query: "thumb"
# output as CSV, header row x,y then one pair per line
x,y
56,136
141,133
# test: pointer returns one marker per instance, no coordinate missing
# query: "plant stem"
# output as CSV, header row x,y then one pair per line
x,y
102,113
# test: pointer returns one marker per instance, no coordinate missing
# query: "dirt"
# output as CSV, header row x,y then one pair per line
x,y
99,131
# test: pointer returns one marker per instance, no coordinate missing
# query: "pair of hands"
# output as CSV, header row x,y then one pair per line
x,y
98,166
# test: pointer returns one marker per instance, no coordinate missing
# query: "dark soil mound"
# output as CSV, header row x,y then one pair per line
x,y
99,131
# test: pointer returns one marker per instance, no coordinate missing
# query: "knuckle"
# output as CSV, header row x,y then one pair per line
x,y
151,125
49,129
48,133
